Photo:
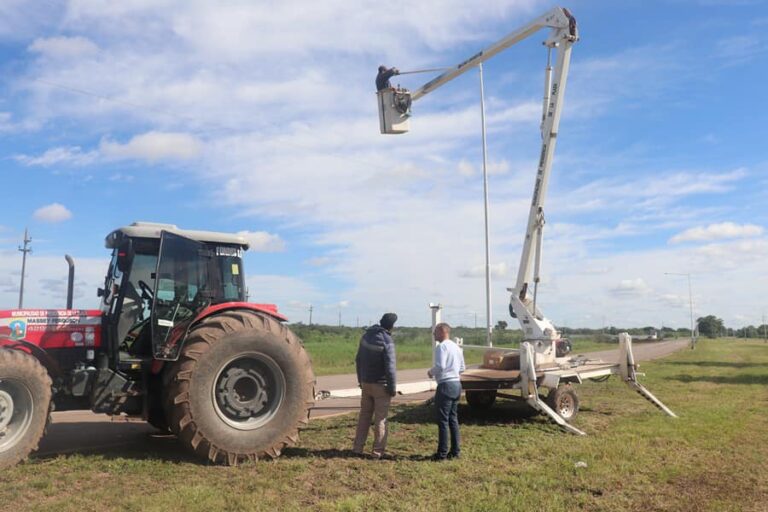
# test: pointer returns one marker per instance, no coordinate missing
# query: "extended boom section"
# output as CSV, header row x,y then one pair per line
x,y
540,369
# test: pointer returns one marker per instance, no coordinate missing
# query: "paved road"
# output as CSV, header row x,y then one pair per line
x,y
83,431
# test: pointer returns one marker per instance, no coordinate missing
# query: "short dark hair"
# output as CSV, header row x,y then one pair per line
x,y
444,326
388,321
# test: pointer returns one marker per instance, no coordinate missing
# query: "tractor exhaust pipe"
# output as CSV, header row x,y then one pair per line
x,y
71,280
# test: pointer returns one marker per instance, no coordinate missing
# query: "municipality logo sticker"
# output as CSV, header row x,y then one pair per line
x,y
18,329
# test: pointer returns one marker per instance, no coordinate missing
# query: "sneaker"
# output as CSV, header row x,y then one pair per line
x,y
453,456
437,457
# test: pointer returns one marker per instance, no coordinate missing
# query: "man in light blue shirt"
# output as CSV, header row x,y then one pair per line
x,y
449,364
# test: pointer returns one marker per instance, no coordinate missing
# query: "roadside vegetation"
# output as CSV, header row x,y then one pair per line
x,y
713,458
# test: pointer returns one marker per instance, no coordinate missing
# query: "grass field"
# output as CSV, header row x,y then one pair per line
x,y
712,458
333,349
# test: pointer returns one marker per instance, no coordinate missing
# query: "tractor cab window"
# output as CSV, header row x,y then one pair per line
x,y
229,264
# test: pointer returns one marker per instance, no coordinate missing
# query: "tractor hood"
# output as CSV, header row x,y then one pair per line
x,y
51,328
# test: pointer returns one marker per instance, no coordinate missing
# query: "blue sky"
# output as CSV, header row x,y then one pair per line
x,y
259,117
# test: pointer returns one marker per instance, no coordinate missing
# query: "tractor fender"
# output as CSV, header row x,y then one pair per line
x,y
50,364
268,309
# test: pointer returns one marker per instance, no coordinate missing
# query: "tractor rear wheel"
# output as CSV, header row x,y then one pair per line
x,y
25,398
241,389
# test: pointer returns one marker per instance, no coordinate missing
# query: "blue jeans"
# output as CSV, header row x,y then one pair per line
x,y
447,401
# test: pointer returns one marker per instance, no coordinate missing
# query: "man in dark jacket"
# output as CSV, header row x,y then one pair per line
x,y
383,76
376,374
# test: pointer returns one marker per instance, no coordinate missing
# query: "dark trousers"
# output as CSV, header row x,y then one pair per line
x,y
447,401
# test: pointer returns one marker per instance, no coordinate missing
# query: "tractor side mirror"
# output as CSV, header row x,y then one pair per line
x,y
124,255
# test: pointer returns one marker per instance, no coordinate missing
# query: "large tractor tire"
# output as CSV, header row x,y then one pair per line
x,y
241,389
25,399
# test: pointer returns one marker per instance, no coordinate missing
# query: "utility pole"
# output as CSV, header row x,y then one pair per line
x,y
765,334
26,249
690,301
310,314
488,320
339,316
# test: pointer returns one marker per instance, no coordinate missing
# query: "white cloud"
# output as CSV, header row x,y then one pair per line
x,y
740,49
631,287
66,155
719,231
53,213
292,294
153,146
262,241
63,47
497,270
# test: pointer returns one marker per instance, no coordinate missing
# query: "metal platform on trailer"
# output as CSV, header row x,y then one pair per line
x,y
571,370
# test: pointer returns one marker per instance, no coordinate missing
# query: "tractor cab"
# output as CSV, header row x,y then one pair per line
x,y
159,280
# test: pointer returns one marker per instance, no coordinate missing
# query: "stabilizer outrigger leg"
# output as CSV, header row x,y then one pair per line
x,y
628,374
531,392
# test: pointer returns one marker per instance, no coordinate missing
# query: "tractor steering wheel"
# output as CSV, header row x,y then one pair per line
x,y
146,291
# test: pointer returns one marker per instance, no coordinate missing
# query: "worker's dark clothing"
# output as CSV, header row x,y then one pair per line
x,y
375,359
382,78
375,364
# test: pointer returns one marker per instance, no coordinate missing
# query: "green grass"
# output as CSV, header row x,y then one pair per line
x,y
333,349
713,458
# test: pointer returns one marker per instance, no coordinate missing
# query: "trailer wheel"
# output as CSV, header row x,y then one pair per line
x,y
481,400
25,398
241,389
564,401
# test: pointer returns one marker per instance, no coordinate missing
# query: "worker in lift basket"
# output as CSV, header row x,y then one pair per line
x,y
376,375
449,364
382,78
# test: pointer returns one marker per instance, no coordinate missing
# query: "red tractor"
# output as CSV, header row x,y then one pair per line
x,y
175,342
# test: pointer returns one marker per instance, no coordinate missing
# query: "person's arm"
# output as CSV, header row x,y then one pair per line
x,y
390,364
462,366
358,363
437,370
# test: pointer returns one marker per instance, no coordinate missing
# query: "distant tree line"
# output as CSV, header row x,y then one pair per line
x,y
709,326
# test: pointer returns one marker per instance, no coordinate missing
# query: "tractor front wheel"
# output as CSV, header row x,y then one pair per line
x,y
25,397
241,389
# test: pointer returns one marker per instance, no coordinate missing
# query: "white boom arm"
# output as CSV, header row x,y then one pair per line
x,y
394,114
